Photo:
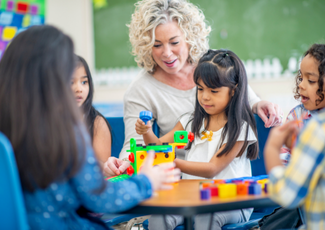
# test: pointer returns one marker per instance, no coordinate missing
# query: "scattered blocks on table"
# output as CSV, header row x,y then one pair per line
x,y
227,190
205,194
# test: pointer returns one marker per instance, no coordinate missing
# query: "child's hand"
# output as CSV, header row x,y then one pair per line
x,y
114,167
141,128
282,135
161,174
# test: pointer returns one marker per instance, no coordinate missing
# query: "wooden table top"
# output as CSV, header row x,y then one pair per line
x,y
184,199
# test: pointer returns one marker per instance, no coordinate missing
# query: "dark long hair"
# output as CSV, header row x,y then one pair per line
x,y
38,112
223,68
88,109
317,51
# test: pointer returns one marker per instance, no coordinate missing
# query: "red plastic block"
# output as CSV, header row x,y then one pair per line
x,y
214,191
22,7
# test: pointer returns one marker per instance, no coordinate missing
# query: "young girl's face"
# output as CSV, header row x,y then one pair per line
x,y
308,86
80,85
213,101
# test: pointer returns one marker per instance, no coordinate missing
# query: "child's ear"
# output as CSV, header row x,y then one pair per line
x,y
233,90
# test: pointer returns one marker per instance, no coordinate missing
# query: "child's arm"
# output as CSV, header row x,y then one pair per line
x,y
148,135
277,138
101,140
290,186
212,168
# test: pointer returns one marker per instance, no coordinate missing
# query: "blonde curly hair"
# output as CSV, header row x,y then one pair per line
x,y
149,14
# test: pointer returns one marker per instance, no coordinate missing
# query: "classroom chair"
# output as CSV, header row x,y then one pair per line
x,y
258,168
117,125
12,207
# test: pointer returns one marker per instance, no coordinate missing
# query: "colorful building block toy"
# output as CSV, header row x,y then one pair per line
x,y
163,153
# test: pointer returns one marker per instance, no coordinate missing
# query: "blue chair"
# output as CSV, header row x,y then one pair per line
x,y
117,124
12,206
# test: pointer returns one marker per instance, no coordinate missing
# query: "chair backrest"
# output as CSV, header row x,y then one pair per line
x,y
117,124
258,167
12,206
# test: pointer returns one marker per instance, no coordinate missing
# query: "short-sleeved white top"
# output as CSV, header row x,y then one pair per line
x,y
204,150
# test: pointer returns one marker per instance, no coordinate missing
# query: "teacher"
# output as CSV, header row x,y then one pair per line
x,y
168,37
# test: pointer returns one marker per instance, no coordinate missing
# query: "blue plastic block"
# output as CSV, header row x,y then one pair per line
x,y
205,194
254,189
145,116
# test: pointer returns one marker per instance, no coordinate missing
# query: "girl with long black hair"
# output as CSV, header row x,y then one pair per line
x,y
224,128
98,127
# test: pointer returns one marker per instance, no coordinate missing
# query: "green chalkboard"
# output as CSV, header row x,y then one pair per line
x,y
253,29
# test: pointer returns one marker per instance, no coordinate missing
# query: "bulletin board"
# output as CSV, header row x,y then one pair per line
x,y
17,16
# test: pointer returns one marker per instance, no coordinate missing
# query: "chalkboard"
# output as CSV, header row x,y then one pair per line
x,y
253,29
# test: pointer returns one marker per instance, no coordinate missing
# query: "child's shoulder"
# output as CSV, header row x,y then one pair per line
x,y
297,112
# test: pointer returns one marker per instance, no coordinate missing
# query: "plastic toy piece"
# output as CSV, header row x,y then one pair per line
x,y
22,7
206,185
118,178
145,116
219,181
242,189
163,153
227,190
265,188
205,194
254,189
214,191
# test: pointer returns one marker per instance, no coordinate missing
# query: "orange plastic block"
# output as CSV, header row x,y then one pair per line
x,y
242,189
206,185
219,181
227,190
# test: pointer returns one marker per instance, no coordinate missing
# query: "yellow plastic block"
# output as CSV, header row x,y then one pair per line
x,y
160,157
227,190
9,33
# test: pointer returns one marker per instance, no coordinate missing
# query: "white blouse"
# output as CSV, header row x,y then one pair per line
x,y
204,150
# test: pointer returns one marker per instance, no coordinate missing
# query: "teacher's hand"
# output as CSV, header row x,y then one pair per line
x,y
269,112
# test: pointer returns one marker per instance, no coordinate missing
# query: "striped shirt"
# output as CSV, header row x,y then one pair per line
x,y
302,182
301,114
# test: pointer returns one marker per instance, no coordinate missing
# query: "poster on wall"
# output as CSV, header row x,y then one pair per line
x,y
16,16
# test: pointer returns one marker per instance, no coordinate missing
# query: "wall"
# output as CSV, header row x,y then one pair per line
x,y
75,18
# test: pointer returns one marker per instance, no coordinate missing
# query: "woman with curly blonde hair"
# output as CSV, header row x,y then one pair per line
x,y
168,38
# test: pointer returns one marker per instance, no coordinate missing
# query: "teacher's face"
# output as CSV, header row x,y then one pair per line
x,y
170,51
